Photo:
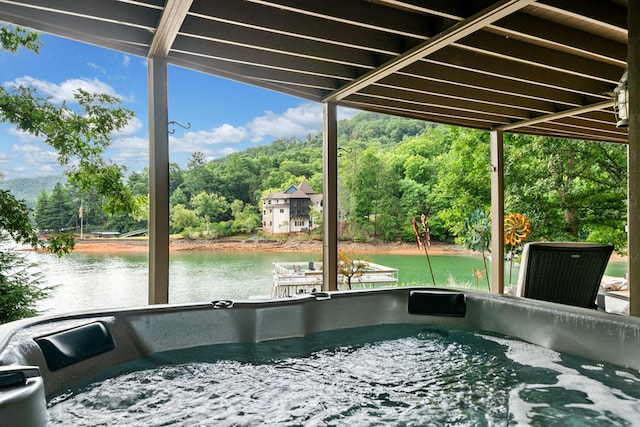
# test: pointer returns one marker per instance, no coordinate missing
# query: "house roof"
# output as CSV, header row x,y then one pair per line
x,y
302,191
306,188
543,67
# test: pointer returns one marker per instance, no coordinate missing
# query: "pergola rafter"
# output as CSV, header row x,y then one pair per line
x,y
545,67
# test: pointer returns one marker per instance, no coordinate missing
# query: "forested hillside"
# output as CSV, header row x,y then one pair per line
x,y
28,189
390,170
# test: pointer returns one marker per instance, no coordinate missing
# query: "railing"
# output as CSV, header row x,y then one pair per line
x,y
293,278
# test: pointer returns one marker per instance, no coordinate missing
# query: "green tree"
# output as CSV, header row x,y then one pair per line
x,y
138,182
197,177
40,213
20,287
178,197
56,211
570,190
245,217
80,136
183,218
209,205
176,177
367,193
464,181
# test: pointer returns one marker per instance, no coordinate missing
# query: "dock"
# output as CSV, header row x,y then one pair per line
x,y
294,278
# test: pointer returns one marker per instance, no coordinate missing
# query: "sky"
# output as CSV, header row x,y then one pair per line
x,y
224,116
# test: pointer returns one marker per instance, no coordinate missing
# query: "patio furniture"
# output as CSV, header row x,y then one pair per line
x,y
567,273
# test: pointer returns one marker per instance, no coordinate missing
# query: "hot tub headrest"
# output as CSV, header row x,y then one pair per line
x,y
71,346
437,303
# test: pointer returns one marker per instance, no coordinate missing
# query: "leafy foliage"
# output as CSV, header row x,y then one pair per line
x,y
351,265
80,136
15,220
572,190
20,285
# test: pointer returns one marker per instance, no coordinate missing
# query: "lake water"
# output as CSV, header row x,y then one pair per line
x,y
93,281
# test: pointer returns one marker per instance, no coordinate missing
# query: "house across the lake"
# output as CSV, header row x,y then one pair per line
x,y
292,210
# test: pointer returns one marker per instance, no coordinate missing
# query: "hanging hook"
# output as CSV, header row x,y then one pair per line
x,y
173,122
346,150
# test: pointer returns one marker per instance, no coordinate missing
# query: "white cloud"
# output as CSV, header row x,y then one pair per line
x,y
23,136
298,121
130,150
6,157
226,151
65,90
131,128
125,60
26,148
345,113
33,154
202,140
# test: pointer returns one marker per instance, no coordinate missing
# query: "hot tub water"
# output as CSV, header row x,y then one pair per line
x,y
385,375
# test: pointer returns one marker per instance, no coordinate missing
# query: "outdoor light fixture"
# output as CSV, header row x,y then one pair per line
x,y
621,102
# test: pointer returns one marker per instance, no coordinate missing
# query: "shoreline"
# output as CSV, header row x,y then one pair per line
x,y
120,246
123,246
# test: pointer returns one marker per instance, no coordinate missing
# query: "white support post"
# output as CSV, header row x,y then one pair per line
x,y
330,199
633,157
497,213
158,181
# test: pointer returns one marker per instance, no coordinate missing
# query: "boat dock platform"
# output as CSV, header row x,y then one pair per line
x,y
293,278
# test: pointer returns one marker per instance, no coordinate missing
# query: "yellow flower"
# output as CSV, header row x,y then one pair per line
x,y
517,229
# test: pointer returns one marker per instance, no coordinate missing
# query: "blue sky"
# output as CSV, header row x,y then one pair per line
x,y
225,116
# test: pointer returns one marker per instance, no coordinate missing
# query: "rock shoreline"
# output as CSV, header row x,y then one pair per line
x,y
260,245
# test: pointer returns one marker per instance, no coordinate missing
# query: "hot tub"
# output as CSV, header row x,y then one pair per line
x,y
44,356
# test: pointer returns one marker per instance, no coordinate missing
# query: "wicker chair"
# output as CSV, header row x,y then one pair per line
x,y
566,273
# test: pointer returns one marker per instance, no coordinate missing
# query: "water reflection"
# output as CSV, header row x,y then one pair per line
x,y
93,281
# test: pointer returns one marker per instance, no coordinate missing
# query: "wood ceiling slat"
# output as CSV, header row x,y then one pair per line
x,y
126,14
491,83
437,115
521,72
130,39
563,38
553,129
304,86
272,60
304,27
222,32
449,90
365,15
551,57
537,56
427,100
597,12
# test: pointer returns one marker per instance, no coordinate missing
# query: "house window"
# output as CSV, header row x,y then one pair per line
x,y
269,201
281,210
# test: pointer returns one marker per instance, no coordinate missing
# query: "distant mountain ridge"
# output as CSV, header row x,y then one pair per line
x,y
28,189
